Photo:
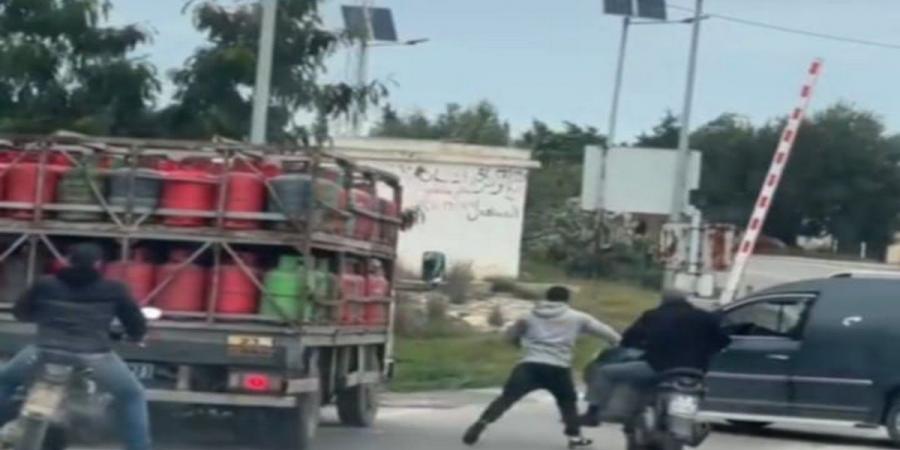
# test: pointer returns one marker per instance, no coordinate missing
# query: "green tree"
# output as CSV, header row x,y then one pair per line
x,y
664,134
566,146
62,67
214,88
477,124
842,179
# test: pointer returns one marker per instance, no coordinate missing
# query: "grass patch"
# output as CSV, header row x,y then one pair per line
x,y
465,361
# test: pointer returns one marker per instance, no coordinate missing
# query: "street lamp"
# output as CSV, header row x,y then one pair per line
x,y
373,27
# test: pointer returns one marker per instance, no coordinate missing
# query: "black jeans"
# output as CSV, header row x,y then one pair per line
x,y
530,377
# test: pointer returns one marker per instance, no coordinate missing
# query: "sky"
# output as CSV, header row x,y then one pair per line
x,y
555,60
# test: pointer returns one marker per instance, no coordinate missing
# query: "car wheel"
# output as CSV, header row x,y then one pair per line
x,y
749,426
892,423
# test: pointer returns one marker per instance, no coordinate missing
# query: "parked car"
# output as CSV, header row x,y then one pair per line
x,y
818,351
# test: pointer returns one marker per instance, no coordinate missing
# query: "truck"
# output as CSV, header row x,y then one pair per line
x,y
198,230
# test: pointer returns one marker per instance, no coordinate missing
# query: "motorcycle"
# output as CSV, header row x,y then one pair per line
x,y
61,395
662,415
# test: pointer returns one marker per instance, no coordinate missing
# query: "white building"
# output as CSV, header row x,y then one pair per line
x,y
472,197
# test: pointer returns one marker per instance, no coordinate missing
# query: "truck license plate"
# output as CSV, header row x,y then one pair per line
x,y
684,405
143,371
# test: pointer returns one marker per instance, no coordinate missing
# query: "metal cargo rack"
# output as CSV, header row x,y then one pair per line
x,y
130,224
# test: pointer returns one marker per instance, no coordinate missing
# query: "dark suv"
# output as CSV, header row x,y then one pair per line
x,y
822,350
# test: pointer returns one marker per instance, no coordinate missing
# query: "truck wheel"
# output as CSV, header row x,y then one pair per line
x,y
280,429
358,406
296,428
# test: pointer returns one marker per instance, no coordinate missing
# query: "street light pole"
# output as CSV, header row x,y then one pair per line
x,y
362,66
263,72
617,89
681,175
613,116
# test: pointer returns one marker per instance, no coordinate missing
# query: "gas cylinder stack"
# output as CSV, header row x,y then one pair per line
x,y
205,231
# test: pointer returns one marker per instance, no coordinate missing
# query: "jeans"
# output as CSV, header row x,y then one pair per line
x,y
604,378
111,375
529,377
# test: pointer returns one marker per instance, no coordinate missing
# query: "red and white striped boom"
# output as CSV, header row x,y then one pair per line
x,y
770,184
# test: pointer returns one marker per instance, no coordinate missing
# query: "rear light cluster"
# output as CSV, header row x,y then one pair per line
x,y
255,382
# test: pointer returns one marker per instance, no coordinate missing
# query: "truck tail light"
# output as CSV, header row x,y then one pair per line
x,y
255,382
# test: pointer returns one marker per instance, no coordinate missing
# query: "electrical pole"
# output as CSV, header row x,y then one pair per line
x,y
681,175
679,191
263,71
362,66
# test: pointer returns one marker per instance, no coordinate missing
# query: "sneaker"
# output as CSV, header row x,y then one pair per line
x,y
474,433
579,442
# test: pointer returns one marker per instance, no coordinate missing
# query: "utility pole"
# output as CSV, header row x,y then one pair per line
x,y
681,175
362,65
263,71
679,191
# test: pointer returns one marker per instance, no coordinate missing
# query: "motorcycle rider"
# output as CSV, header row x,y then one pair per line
x,y
547,335
674,335
74,310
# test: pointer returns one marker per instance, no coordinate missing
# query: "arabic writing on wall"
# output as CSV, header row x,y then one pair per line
x,y
481,193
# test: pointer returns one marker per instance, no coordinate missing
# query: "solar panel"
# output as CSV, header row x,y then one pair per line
x,y
383,25
381,21
619,7
652,9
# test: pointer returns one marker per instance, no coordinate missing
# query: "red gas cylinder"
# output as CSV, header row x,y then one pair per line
x,y
139,274
378,289
363,225
22,182
187,290
5,159
246,192
56,265
190,187
237,294
353,291
389,231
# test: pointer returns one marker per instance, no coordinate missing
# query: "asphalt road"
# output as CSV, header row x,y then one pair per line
x,y
765,271
436,421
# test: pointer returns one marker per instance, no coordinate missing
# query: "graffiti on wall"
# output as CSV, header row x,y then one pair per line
x,y
481,193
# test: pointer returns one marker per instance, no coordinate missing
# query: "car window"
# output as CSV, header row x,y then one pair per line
x,y
774,317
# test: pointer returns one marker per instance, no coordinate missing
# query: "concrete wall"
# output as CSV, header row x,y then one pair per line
x,y
473,206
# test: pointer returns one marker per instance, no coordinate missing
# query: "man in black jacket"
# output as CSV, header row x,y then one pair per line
x,y
674,335
73,311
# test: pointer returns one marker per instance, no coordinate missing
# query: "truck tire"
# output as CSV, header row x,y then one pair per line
x,y
357,406
296,428
280,428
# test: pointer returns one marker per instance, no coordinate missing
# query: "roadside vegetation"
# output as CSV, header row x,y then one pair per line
x,y
444,354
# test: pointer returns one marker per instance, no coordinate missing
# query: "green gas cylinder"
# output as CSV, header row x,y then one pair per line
x,y
324,288
75,189
286,290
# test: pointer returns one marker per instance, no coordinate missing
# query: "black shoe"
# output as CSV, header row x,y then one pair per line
x,y
589,420
579,442
474,433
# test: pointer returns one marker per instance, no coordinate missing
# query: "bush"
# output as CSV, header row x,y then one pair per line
x,y
513,287
496,319
409,319
458,285
436,309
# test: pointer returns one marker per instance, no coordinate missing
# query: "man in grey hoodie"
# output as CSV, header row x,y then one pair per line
x,y
547,336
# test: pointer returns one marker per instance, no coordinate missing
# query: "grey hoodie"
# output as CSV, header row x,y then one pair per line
x,y
548,334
